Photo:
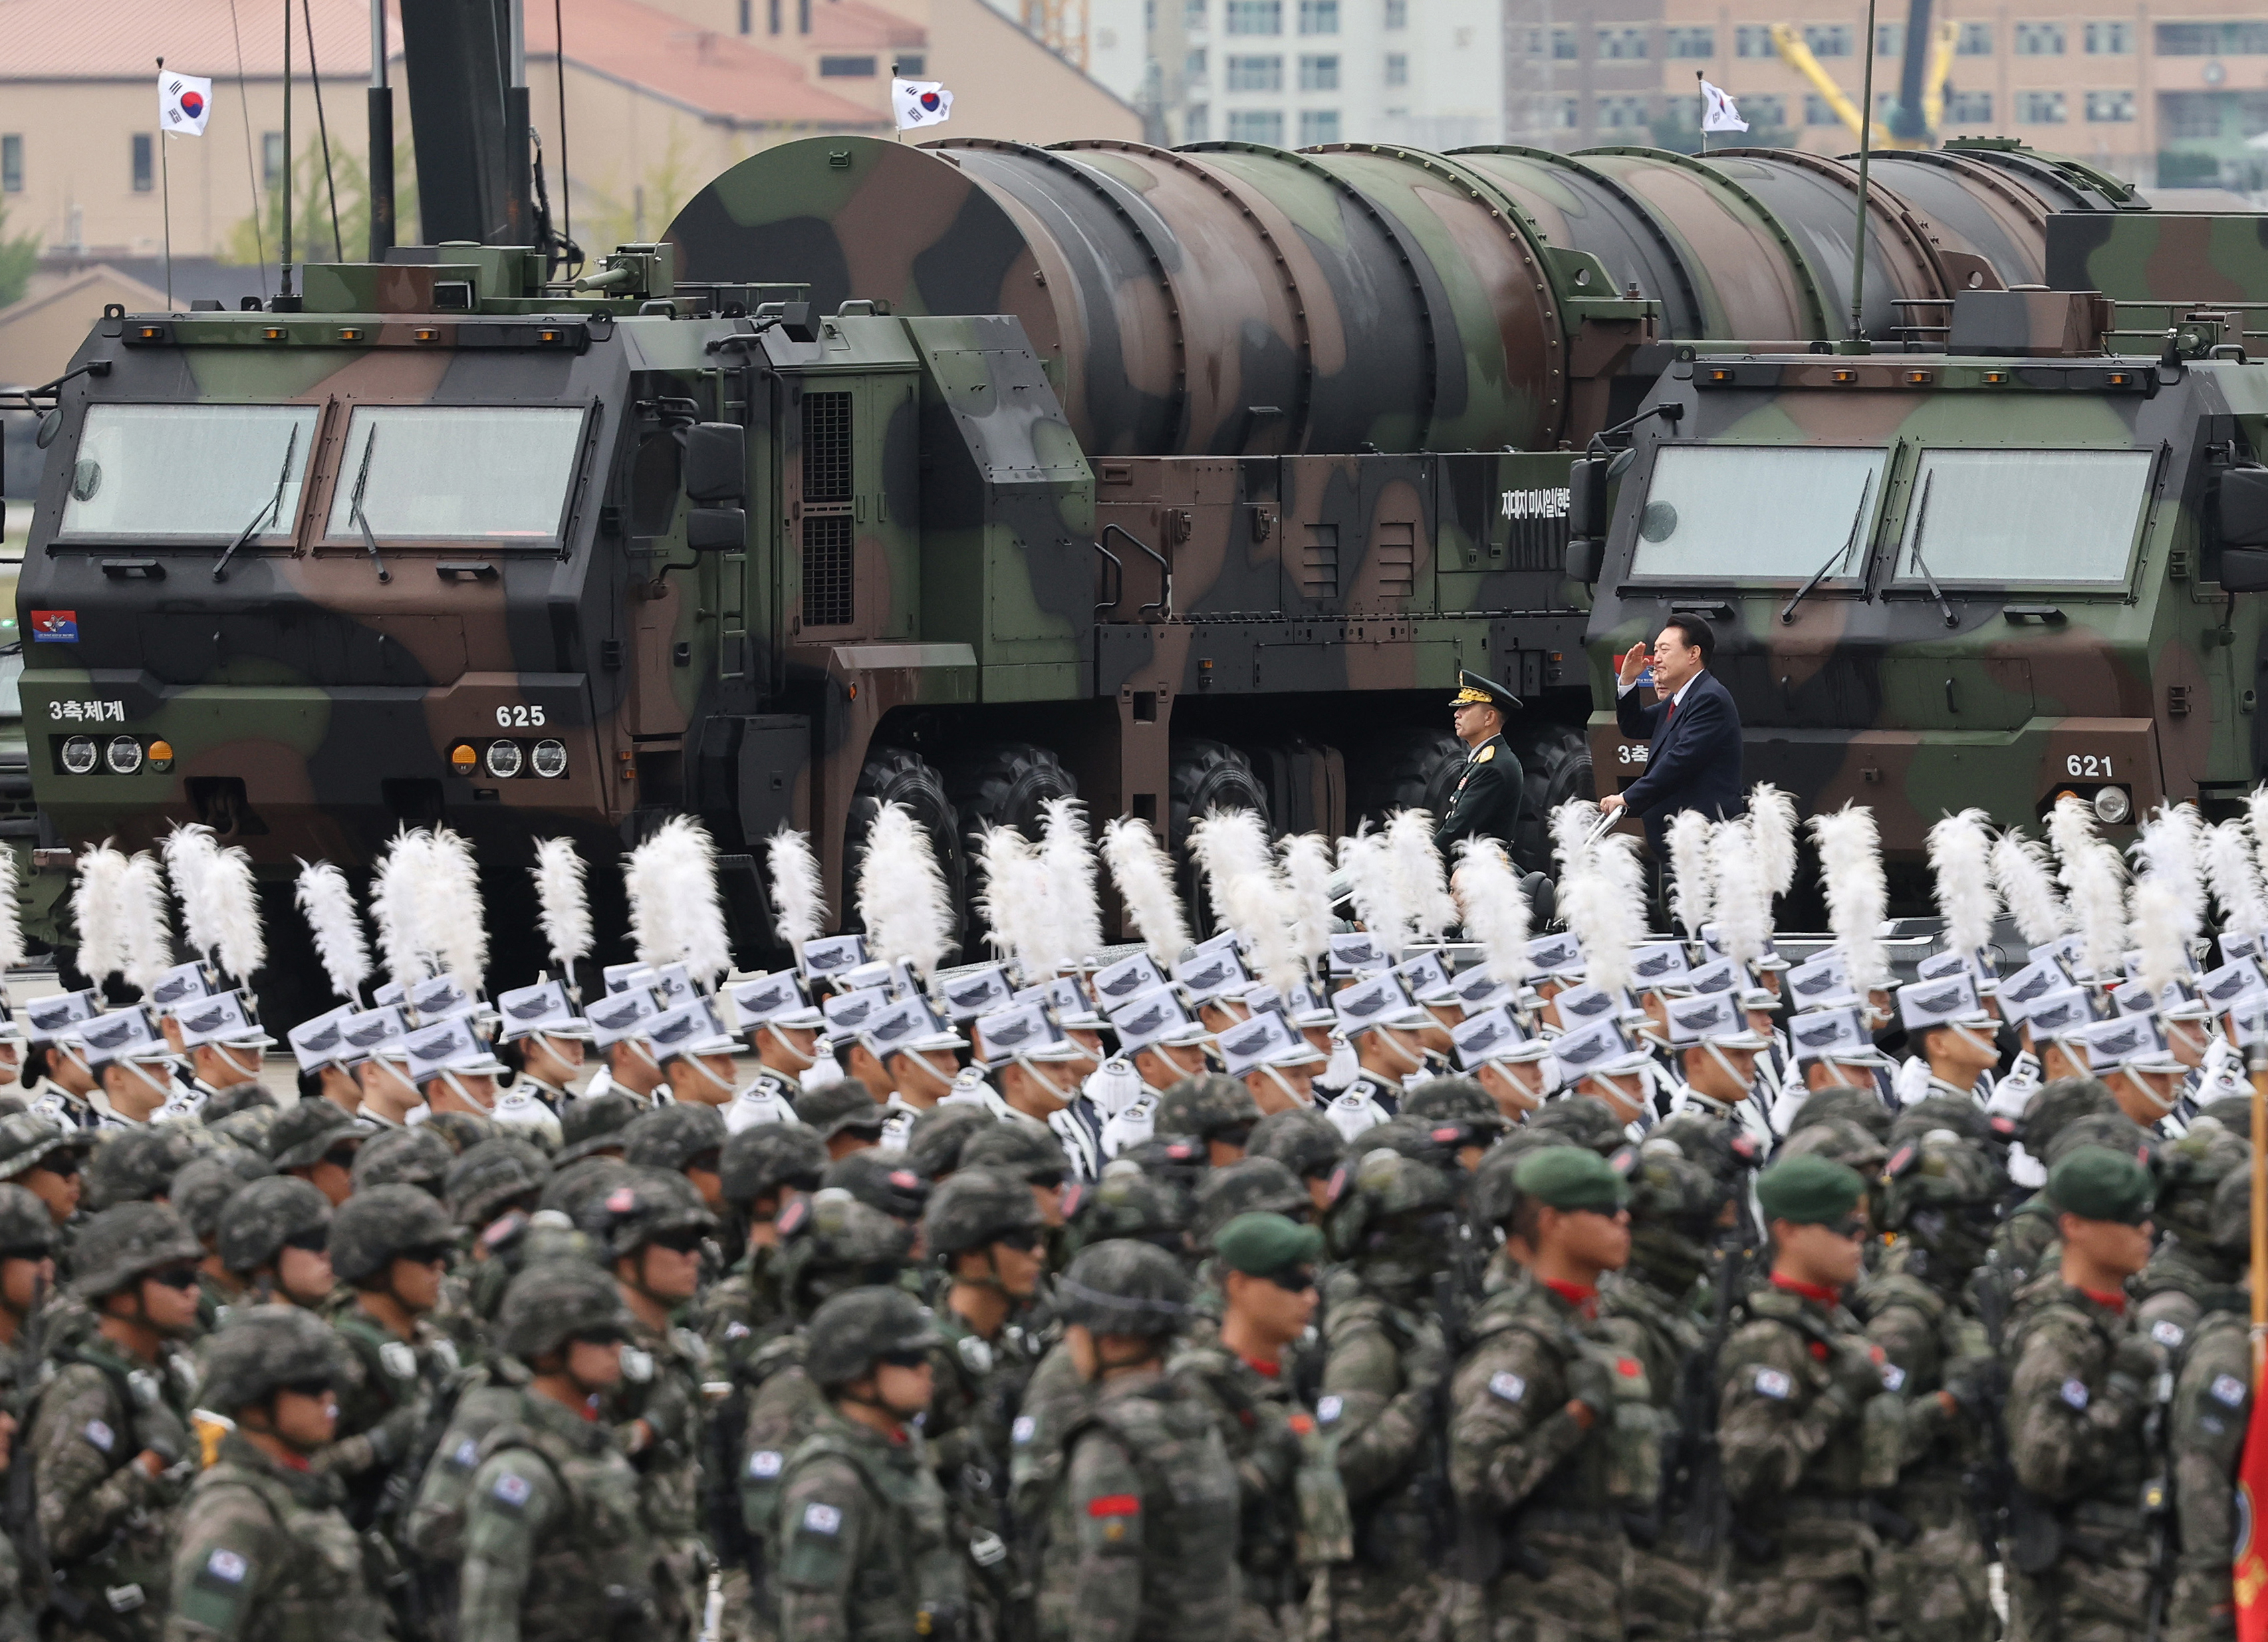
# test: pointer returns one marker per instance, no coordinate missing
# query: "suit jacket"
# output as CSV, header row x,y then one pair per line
x,y
1695,764
1487,799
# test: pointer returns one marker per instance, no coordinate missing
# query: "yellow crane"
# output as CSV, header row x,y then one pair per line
x,y
1060,25
1788,41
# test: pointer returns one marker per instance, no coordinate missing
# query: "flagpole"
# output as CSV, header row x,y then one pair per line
x,y
1697,83
166,186
2256,1060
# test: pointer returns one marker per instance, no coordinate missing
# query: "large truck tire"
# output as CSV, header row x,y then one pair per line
x,y
1556,762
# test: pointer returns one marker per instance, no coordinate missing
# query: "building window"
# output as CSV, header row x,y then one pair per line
x,y
1753,39
1321,74
1689,42
1622,45
1255,17
2039,40
846,67
2039,108
1193,16
1974,39
11,164
1766,112
1567,116
1968,107
1397,13
912,63
1318,126
1254,74
1818,111
1828,39
145,163
1564,48
2109,39
1319,17
271,159
1256,125
1889,40
2109,107
1194,69
1397,68
1621,113
1196,125
2212,39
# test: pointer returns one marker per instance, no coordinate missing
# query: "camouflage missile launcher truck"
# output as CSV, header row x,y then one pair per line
x,y
960,476
2019,562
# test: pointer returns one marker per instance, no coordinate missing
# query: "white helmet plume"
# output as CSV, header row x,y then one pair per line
x,y
220,900
1495,907
2027,884
798,902
392,909
1307,860
1690,890
1418,868
1143,875
562,906
1069,856
1571,824
901,893
98,910
1961,862
1851,872
1230,847
1744,896
1771,822
1376,889
11,918
2230,869
2255,814
1604,904
2168,898
328,904
2094,880
452,926
1017,901
676,915
145,923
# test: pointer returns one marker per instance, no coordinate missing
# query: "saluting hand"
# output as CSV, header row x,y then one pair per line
x,y
1634,660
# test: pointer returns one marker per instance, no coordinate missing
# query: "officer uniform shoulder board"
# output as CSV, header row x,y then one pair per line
x,y
1485,753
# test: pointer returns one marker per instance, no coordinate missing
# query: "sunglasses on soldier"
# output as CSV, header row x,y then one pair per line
x,y
1291,1280
183,1277
428,1254
309,1242
683,1240
904,1359
1022,1238
316,1388
601,1338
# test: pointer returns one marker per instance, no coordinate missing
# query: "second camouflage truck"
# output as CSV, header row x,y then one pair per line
x,y
2020,564
961,476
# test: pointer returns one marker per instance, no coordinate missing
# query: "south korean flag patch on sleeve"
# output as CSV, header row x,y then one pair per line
x,y
511,1491
226,1566
1507,1387
821,1518
2075,1394
2228,1390
1773,1384
100,1434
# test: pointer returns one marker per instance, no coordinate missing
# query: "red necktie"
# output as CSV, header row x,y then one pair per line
x,y
1668,711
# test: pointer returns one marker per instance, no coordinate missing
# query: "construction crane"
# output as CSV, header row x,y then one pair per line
x,y
1061,27
1921,100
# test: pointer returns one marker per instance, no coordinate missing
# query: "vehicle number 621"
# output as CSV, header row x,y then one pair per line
x,y
518,717
2087,765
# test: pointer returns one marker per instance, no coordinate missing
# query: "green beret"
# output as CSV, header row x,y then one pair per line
x,y
1570,1177
2096,1183
1809,1190
1260,1245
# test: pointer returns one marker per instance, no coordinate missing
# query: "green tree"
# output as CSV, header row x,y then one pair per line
x,y
612,216
19,255
311,209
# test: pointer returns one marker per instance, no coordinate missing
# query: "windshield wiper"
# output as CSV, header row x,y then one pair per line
x,y
1921,519
1787,610
273,508
353,507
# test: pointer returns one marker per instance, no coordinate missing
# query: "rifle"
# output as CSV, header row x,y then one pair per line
x,y
1993,1494
1695,1482
1480,1545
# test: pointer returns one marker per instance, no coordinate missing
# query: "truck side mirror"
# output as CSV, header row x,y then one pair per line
x,y
2245,570
1586,558
716,529
1587,497
2244,507
716,461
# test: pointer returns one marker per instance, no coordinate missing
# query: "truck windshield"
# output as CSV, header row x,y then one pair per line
x,y
2064,517
189,473
1757,512
421,472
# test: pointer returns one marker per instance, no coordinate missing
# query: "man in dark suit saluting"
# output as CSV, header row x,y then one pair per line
x,y
1695,763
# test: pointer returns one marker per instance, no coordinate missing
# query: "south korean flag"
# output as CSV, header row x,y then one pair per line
x,y
920,103
184,103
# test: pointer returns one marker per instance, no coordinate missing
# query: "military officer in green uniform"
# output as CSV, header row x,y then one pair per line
x,y
1486,802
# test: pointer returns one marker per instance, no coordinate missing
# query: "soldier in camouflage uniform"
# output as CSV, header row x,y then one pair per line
x,y
1553,1433
201,1190
983,1232
27,1270
111,1441
391,1246
2028,1232
18,1620
2205,1437
1940,1195
2081,1398
1217,1110
1286,1479
534,1500
1141,1529
651,1228
1386,1360
1651,1310
1806,1425
266,1553
864,1547
2189,1273
274,1238
762,1170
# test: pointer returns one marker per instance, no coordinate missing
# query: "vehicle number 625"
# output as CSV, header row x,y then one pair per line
x,y
518,717
2087,765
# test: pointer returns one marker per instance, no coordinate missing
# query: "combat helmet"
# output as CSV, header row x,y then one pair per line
x,y
881,1180
371,1228
1127,1203
1441,1102
595,1124
2055,1106
122,1245
28,1231
202,1186
674,1137
1302,1140
27,1140
1492,1196
1839,1140
303,1133
403,1157
975,1208
933,1143
830,1241
855,1329
138,1163
2190,1172
1025,1150
1942,1194
261,1349
551,1301
2232,1214
2113,1131
257,1221
1209,1106
1585,1119
1674,1203
1125,1287
486,1179
1391,1217
1250,1185
635,1211
1862,1107
765,1158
